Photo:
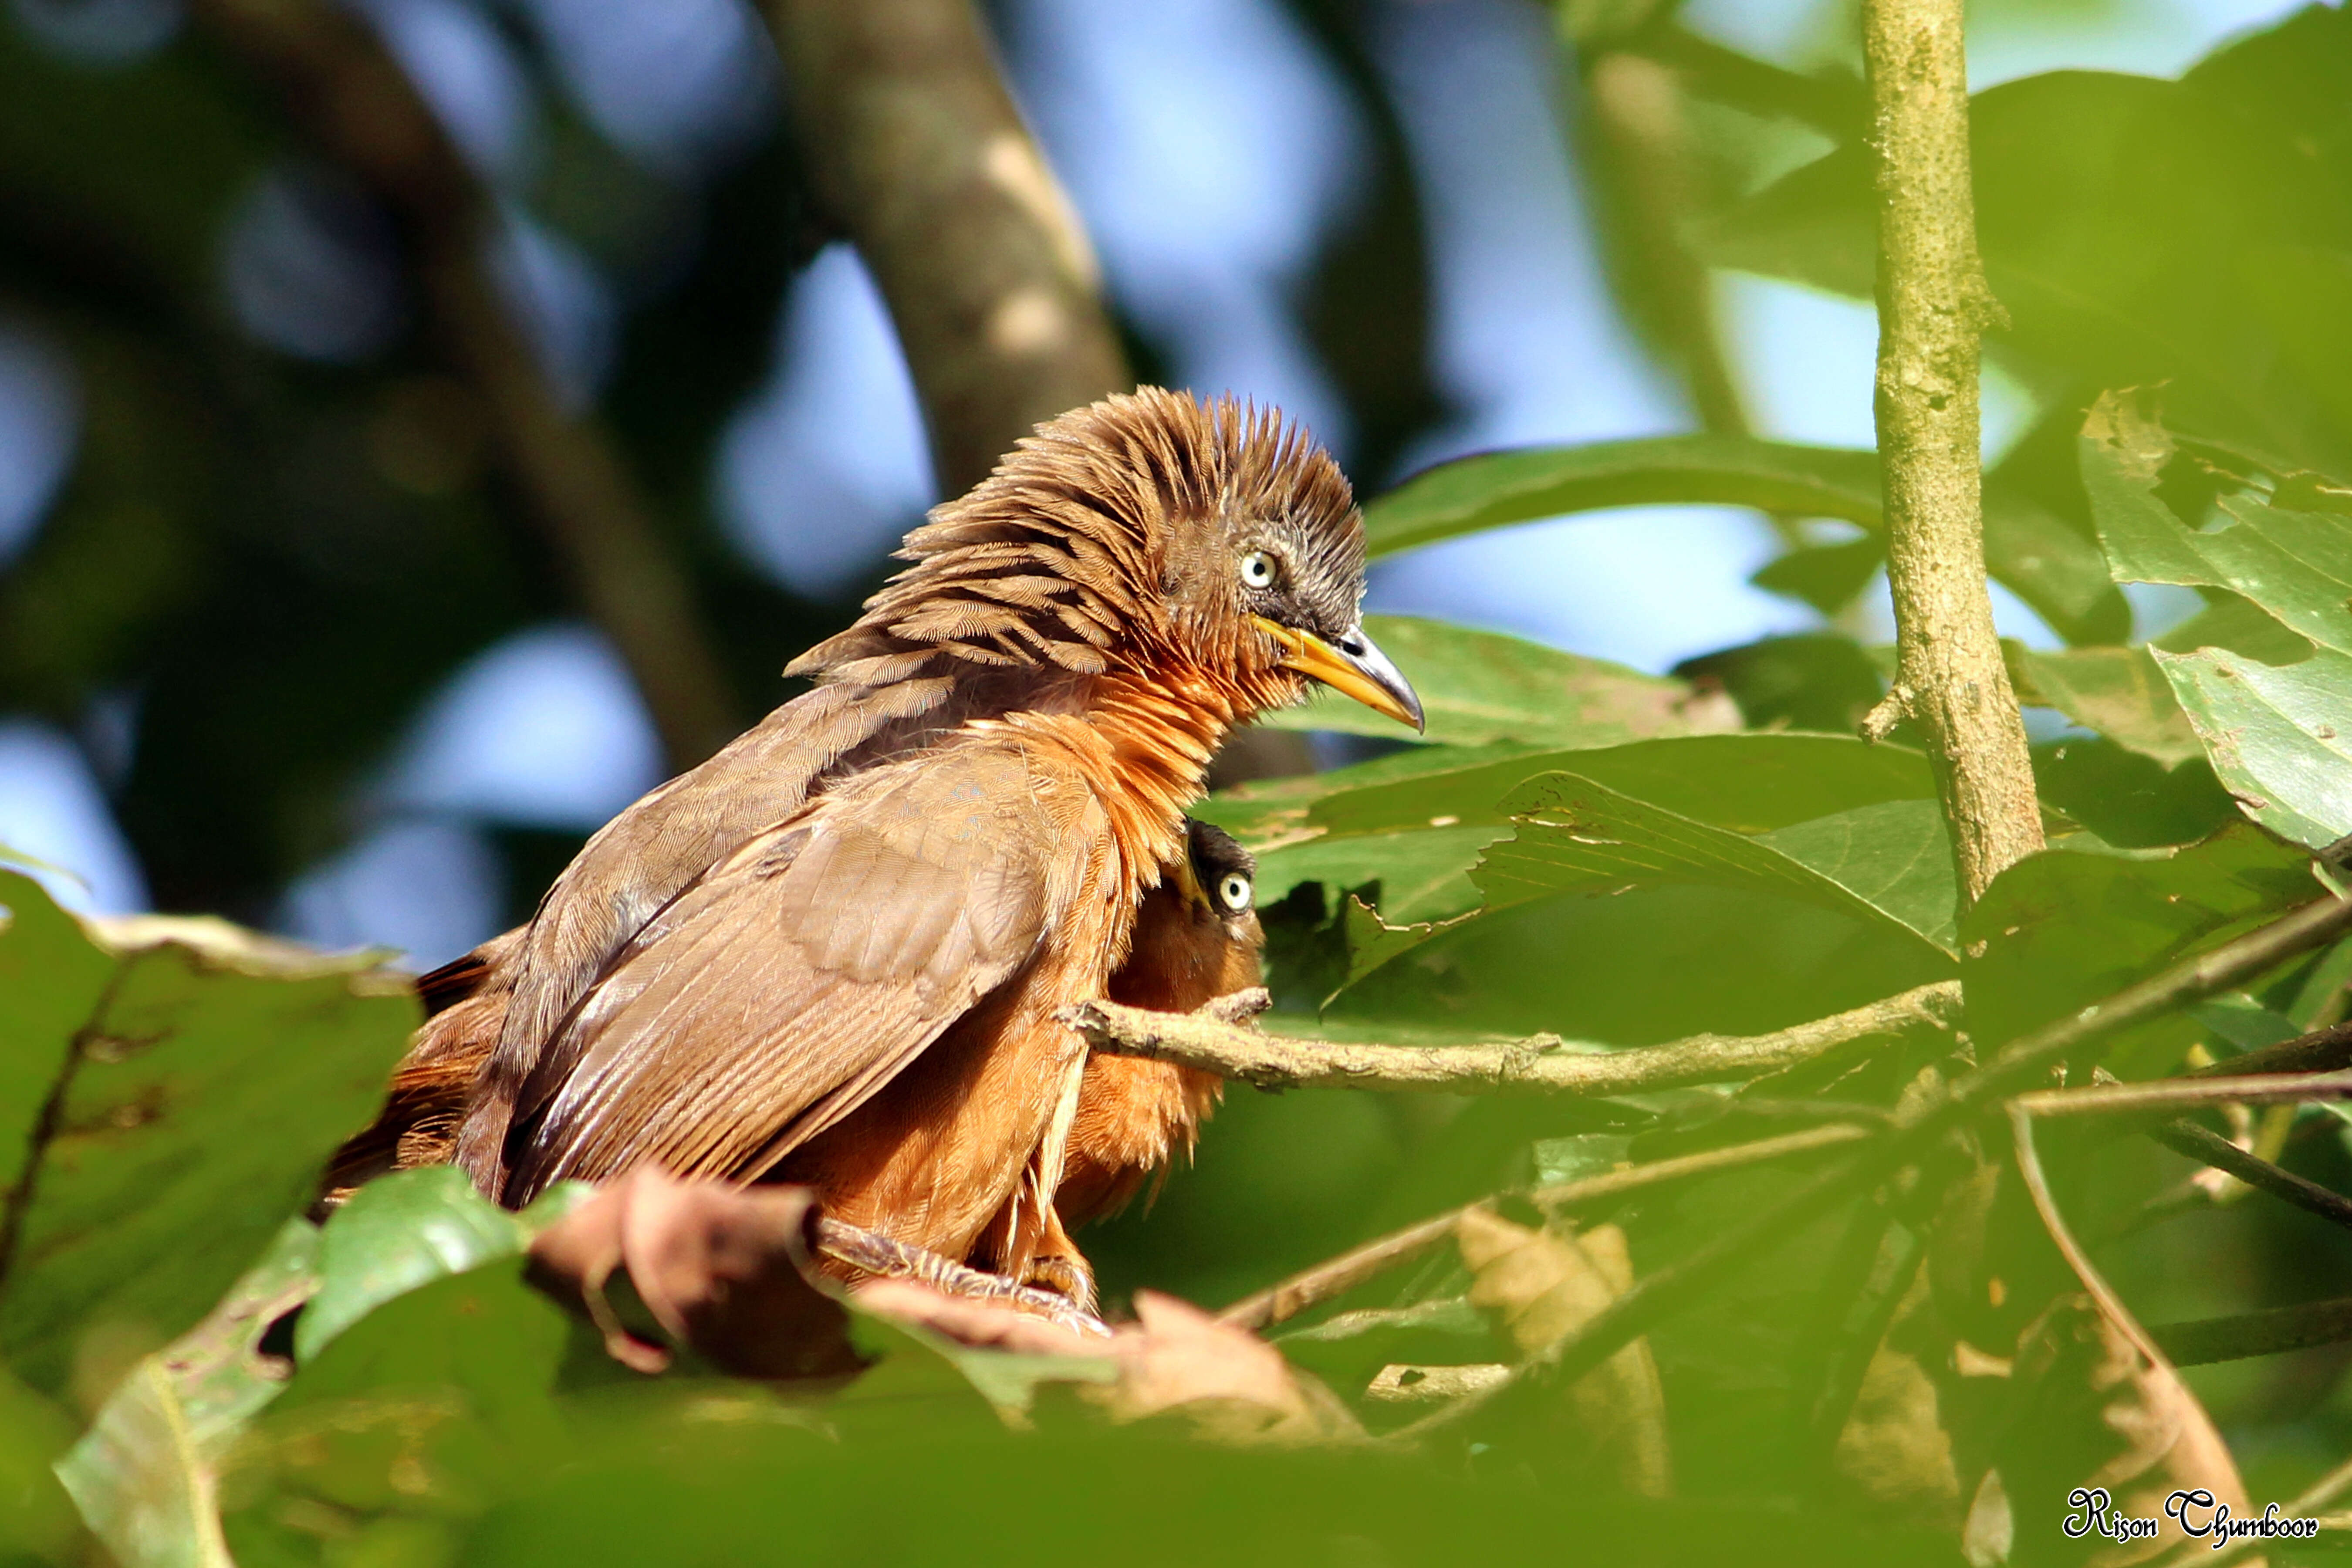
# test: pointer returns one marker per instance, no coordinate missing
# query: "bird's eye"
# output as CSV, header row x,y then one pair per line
x,y
1233,891
1257,570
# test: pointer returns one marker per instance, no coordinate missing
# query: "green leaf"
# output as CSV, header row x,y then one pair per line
x,y
1417,825
2280,739
38,1520
427,1411
2127,798
1829,577
2295,565
2119,692
2320,988
1749,784
1876,865
1500,488
2238,625
2048,565
145,1476
1481,687
51,976
398,1235
2137,231
2077,921
1822,682
198,1076
2244,1022
1895,856
1423,875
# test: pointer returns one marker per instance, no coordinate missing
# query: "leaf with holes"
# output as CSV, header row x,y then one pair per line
x,y
197,1077
146,1474
2294,562
2119,692
1877,864
2280,738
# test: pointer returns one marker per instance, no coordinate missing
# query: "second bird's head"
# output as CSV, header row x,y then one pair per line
x,y
1152,533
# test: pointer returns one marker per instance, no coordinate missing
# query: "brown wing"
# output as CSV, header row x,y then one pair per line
x,y
777,995
667,840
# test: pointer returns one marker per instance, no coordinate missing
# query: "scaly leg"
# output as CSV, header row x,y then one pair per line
x,y
877,1254
1058,1265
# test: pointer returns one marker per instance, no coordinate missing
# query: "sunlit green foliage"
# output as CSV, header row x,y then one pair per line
x,y
1611,858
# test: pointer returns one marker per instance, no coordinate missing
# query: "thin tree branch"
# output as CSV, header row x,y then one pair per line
x,y
1923,1122
2213,1149
2232,964
2211,1554
1536,1065
2245,1334
2321,1050
1653,1297
2170,1094
2037,1186
347,93
915,146
1932,306
1337,1276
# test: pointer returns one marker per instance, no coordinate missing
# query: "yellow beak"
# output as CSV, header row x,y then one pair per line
x,y
1352,666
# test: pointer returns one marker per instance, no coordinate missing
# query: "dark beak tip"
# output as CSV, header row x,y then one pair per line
x,y
1378,668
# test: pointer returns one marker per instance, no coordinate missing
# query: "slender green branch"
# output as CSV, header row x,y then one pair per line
x,y
1933,307
1337,1276
2037,1185
1537,1064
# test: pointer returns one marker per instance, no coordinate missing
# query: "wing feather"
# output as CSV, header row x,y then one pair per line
x,y
808,970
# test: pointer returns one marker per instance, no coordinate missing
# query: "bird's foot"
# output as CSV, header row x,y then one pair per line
x,y
1238,1007
1065,1275
873,1252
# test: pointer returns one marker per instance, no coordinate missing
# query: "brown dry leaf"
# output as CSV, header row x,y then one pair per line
x,y
1545,1285
658,1263
1231,1385
724,1269
1894,1448
1402,1384
2088,1409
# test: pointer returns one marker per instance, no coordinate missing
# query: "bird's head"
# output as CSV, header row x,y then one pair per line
x,y
1150,534
1217,880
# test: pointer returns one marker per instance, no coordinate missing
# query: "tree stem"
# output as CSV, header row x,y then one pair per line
x,y
342,86
347,93
1933,307
917,150
1536,1065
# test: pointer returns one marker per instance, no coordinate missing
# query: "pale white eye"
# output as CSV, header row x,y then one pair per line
x,y
1257,570
1233,891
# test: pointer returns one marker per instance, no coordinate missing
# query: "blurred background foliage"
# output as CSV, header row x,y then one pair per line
x,y
286,634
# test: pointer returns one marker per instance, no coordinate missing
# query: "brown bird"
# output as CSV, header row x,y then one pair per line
x,y
1197,938
834,953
